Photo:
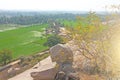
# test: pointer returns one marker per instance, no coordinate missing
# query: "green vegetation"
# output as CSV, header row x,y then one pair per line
x,y
24,41
29,18
53,40
4,27
5,57
68,23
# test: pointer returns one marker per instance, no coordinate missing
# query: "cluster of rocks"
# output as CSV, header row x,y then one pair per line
x,y
63,56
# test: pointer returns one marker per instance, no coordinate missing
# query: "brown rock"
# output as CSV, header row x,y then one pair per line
x,y
44,75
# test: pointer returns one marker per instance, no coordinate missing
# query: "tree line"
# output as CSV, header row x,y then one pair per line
x,y
28,18
34,19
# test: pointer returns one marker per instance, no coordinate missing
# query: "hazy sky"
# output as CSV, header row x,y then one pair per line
x,y
68,5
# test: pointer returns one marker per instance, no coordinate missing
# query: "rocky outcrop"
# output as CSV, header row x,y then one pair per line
x,y
63,56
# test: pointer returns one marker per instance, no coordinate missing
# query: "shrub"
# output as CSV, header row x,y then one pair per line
x,y
5,56
53,40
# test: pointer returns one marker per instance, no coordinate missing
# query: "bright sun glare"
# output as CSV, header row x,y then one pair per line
x,y
116,49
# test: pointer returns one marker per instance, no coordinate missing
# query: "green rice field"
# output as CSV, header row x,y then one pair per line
x,y
24,41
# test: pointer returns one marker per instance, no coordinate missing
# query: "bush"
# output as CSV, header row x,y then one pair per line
x,y
53,40
5,56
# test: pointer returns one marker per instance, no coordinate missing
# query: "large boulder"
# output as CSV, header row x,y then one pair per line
x,y
63,56
61,53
